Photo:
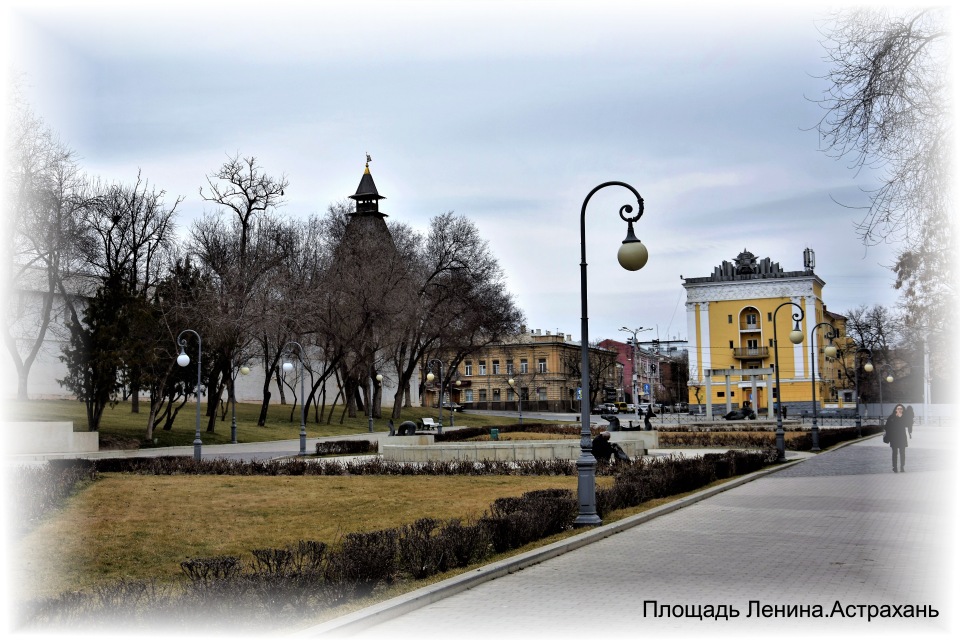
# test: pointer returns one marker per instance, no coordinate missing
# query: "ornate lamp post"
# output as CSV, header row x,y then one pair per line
x,y
868,367
244,370
287,368
183,360
511,382
889,379
796,337
379,379
829,351
632,256
636,397
453,383
431,378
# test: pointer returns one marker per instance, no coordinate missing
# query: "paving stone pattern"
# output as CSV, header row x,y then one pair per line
x,y
840,526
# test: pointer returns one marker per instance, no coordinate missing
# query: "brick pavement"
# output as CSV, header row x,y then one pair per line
x,y
837,527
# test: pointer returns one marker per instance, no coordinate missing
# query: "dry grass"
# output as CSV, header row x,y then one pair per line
x,y
122,429
143,526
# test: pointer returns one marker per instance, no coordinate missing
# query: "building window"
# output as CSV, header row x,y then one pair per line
x,y
720,394
731,344
769,316
483,395
496,395
752,319
523,365
509,367
542,365
496,367
729,319
752,344
482,369
541,393
468,395
524,393
468,368
510,394
771,342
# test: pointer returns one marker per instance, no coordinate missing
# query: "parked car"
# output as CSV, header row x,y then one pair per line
x,y
605,407
621,407
644,406
453,406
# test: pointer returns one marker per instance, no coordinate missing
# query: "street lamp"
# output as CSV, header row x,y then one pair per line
x,y
829,351
183,360
868,367
431,378
452,412
379,378
889,379
519,399
632,255
636,397
244,370
287,368
796,337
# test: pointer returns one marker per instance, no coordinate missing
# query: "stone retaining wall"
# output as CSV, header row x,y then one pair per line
x,y
48,437
423,448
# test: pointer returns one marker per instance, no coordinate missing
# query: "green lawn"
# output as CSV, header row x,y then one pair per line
x,y
120,427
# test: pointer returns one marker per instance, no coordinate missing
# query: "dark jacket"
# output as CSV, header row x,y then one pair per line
x,y
897,428
601,449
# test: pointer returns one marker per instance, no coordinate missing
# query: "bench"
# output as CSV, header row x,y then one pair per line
x,y
428,424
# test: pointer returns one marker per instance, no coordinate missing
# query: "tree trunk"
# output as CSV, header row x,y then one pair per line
x,y
262,420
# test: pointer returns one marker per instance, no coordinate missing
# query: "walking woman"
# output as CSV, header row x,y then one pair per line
x,y
895,433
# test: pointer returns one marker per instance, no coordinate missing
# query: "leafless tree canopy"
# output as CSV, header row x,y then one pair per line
x,y
887,107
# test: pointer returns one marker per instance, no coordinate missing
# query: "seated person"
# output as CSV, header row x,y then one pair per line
x,y
602,449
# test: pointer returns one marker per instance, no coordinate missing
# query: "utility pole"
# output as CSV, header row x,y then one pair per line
x,y
636,397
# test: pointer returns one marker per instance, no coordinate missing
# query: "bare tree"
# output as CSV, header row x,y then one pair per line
x,y
460,302
124,243
887,107
237,255
45,197
602,364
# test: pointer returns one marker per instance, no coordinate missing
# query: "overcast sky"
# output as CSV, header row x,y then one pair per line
x,y
506,112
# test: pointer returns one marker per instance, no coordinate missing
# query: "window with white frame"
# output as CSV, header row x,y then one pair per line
x,y
523,365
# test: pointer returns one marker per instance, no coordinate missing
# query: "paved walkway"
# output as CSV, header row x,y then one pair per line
x,y
838,527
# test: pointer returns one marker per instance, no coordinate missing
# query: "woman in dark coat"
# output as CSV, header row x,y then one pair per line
x,y
896,430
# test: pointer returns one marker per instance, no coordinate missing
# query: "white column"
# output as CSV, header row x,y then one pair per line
x,y
705,335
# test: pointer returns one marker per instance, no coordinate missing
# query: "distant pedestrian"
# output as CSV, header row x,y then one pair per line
x,y
899,426
646,418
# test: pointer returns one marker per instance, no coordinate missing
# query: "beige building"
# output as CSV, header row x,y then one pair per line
x,y
544,367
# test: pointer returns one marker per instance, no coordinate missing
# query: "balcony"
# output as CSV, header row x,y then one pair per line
x,y
751,353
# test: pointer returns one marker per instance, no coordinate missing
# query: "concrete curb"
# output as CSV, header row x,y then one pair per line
x,y
395,607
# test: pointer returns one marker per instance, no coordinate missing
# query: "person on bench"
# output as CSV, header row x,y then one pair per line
x,y
603,449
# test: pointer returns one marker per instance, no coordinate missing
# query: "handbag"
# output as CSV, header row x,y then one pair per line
x,y
886,437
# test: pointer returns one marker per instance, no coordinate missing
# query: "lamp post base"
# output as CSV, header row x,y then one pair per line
x,y
587,491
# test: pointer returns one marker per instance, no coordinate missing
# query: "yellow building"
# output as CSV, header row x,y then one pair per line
x,y
730,325
544,367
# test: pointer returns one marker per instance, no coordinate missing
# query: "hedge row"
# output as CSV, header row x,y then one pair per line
x,y
295,583
759,437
